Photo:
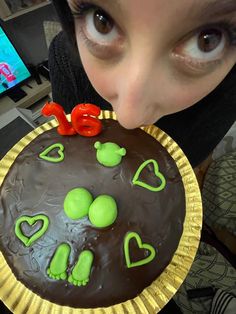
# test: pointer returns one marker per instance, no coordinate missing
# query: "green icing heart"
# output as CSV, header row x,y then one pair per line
x,y
31,221
158,174
44,154
141,245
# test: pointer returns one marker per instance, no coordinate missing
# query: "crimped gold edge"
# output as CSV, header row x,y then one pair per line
x,y
21,300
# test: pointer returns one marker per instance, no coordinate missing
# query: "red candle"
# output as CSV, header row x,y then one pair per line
x,y
84,120
54,109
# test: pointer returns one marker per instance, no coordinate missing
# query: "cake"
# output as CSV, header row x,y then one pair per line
x,y
121,238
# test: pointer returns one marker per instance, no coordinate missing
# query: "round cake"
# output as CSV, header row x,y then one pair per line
x,y
86,231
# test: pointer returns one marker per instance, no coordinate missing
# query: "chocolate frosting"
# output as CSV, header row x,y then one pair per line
x,y
34,186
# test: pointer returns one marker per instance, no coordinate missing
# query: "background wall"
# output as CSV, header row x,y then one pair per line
x,y
27,33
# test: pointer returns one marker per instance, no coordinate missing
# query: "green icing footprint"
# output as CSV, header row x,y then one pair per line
x,y
58,265
81,272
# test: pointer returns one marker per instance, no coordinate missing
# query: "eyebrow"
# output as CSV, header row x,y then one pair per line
x,y
217,8
114,4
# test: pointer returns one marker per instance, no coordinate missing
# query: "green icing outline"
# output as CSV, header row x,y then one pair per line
x,y
44,154
158,174
31,220
141,245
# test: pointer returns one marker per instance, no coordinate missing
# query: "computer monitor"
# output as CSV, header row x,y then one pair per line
x,y
13,71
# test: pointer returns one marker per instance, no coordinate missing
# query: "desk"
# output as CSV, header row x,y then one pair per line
x,y
12,126
34,94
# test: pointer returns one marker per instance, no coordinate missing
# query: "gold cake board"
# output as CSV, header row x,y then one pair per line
x,y
21,300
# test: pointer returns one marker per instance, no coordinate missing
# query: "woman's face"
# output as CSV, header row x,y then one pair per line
x,y
155,57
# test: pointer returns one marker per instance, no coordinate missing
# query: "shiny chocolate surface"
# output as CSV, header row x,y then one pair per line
x,y
34,186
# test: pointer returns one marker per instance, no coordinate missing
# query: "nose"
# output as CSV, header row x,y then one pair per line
x,y
134,93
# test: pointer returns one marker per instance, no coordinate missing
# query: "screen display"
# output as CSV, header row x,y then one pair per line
x,y
12,69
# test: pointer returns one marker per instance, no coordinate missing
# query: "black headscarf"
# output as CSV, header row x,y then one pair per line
x,y
199,128
66,19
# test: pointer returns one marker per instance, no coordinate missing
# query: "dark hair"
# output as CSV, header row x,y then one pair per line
x,y
66,19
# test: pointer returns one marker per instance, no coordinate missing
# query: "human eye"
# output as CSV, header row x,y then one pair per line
x,y
206,47
97,28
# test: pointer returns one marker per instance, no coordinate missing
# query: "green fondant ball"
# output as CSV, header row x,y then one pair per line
x,y
103,211
77,202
